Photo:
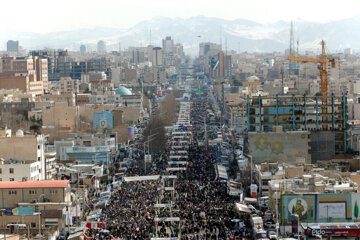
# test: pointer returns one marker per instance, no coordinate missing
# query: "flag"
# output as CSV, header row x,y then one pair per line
x,y
86,237
160,159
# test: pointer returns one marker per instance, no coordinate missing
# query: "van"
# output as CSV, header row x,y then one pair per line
x,y
19,226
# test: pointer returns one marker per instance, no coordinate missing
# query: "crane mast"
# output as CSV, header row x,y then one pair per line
x,y
323,61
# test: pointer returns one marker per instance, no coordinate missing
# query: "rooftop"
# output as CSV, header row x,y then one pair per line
x,y
35,184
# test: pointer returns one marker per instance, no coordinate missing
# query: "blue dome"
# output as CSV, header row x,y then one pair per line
x,y
123,91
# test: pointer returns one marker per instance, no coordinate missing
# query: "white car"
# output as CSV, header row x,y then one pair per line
x,y
270,225
272,235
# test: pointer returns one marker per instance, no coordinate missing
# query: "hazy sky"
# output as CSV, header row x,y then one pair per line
x,y
49,15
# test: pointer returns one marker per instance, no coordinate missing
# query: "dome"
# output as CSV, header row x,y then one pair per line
x,y
253,78
123,91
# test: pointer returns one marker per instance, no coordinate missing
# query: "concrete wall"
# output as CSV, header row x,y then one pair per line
x,y
322,146
19,148
279,147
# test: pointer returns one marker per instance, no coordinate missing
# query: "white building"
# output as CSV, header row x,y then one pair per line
x,y
20,171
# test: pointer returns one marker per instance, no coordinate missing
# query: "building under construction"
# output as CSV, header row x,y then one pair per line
x,y
324,116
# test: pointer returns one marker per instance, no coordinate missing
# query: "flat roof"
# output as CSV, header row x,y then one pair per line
x,y
35,184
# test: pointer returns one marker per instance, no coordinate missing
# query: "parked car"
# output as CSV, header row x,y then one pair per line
x,y
272,235
270,225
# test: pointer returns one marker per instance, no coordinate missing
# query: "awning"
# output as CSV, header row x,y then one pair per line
x,y
141,178
221,171
242,208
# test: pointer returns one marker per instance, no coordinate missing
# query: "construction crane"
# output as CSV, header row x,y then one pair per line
x,y
324,61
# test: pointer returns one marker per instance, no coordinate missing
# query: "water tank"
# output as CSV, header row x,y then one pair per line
x,y
19,133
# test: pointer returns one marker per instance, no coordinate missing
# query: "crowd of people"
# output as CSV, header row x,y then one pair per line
x,y
199,200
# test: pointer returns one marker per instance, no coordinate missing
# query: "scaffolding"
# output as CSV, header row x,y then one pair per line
x,y
317,114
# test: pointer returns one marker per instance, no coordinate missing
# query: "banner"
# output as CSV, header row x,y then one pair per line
x,y
253,190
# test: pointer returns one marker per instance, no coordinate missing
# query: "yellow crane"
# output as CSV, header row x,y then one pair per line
x,y
324,61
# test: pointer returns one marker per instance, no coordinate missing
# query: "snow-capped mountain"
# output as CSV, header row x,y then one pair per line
x,y
238,35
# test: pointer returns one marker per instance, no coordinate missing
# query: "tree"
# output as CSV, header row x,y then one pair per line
x,y
356,210
35,128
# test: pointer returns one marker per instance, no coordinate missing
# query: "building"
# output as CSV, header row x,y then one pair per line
x,y
168,45
157,56
24,148
14,170
34,202
82,48
59,117
69,85
28,74
12,46
101,46
325,118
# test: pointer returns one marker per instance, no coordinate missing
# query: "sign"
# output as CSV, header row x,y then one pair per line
x,y
177,162
78,150
19,211
147,158
171,238
253,190
169,177
167,219
166,188
95,225
162,205
176,169
332,210
51,213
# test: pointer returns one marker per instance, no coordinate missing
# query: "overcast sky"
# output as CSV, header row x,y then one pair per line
x,y
50,16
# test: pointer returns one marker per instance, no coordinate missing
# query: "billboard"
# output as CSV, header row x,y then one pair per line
x,y
333,207
19,211
302,205
279,147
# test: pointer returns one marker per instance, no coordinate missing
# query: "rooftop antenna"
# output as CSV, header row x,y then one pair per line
x,y
225,46
220,37
150,36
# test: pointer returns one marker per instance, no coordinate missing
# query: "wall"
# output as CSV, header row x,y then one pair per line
x,y
322,146
60,116
103,120
280,147
19,148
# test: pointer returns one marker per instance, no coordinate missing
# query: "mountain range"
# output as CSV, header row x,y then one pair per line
x,y
239,35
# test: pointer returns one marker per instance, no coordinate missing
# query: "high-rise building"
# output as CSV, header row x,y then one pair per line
x,y
101,46
168,45
157,56
12,46
27,74
208,49
82,48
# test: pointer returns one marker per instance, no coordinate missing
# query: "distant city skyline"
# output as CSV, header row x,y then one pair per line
x,y
71,15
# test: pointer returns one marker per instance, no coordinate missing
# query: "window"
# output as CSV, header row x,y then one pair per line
x,y
11,170
53,192
12,192
38,158
32,192
12,179
38,146
33,225
0,170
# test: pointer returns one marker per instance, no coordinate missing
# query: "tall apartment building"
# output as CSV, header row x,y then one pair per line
x,y
101,46
157,56
168,45
12,46
27,74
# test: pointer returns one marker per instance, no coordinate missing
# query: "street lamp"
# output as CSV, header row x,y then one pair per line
x,y
39,213
298,223
4,221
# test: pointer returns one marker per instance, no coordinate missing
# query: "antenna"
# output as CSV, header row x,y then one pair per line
x,y
150,36
225,46
292,47
220,37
